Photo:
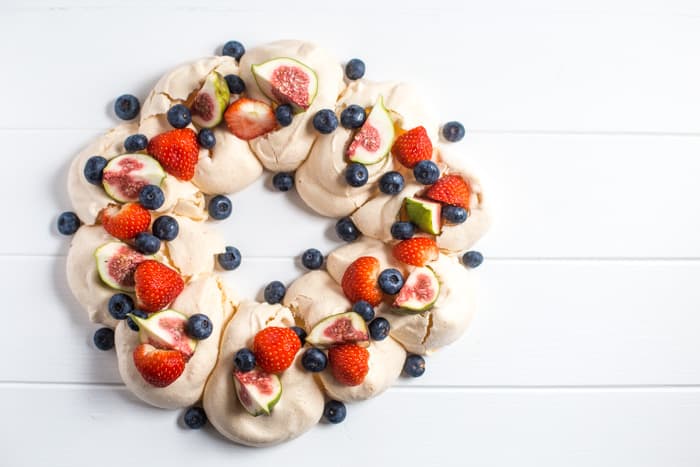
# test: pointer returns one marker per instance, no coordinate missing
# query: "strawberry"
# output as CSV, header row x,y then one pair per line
x,y
177,151
360,281
124,222
248,118
349,363
275,348
156,285
158,367
412,147
416,251
451,189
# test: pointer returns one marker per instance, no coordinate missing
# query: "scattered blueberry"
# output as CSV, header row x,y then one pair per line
x,y
131,323
453,131
235,84
472,259
199,326
233,49
390,281
402,230
230,259
135,143
93,169
220,207
426,172
346,229
68,223
301,334
283,181
179,116
274,292
151,197
206,138
166,228
120,305
356,174
127,107
391,183
334,411
244,360
353,117
195,418
364,309
314,360
325,121
284,114
379,329
454,214
414,366
103,338
355,69
312,259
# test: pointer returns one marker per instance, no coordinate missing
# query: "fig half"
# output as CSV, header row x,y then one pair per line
x,y
166,330
257,391
287,81
373,141
343,328
419,292
124,176
116,264
210,102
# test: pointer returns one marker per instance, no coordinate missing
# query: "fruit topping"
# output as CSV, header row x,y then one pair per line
x,y
103,338
402,230
67,223
166,228
373,142
343,328
206,138
314,360
124,221
325,121
235,84
158,367
124,176
274,292
257,391
472,259
414,366
275,348
424,214
451,189
220,207
166,330
349,363
412,147
301,334
199,326
210,102
179,116
364,309
355,69
120,305
312,259
249,118
416,251
127,107
93,169
177,150
156,285
283,181
233,49
287,81
420,291
116,264
359,281
352,117
346,229
229,259
426,172
391,183
244,360
135,143
356,174
379,329
284,114
453,131
195,418
390,281
454,214
151,197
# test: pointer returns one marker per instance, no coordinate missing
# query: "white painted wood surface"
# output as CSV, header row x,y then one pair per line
x,y
583,120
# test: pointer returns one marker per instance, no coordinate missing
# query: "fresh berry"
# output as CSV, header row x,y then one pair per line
x,y
233,49
352,117
450,189
284,114
416,251
195,418
230,259
244,360
314,360
355,69
325,121
301,334
199,326
125,221
364,309
349,363
390,281
453,131
131,323
249,118
334,411
120,305
68,223
93,169
147,243
454,214
103,338
220,207
158,367
412,147
136,143
312,259
151,197
127,107
391,183
283,181
235,84
356,174
346,229
177,151
166,228
414,366
206,138
379,329
426,172
402,230
360,281
472,259
156,285
275,348
179,116
274,292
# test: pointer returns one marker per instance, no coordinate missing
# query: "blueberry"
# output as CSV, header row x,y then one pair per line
x,y
312,259
426,172
131,323
356,174
364,309
179,116
135,143
244,360
346,229
353,117
283,181
233,49
103,338
195,418
230,259
334,411
151,197
68,223
379,329
402,230
414,366
325,121
220,207
454,214
206,138
284,115
93,169
199,326
274,292
166,228
355,69
314,360
390,281
235,84
391,183
120,305
472,259
453,131
301,334
127,107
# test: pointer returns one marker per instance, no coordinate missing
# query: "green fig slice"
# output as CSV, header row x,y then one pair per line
x,y
166,330
287,81
425,214
257,391
373,141
116,264
343,328
210,102
419,292
124,176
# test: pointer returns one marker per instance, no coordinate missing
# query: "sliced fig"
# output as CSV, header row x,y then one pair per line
x,y
257,391
124,176
210,102
116,263
373,141
166,330
425,214
343,328
419,292
287,81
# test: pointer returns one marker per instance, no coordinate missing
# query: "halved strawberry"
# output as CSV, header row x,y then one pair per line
x,y
451,189
250,118
416,251
177,151
156,285
360,281
158,367
412,147
125,221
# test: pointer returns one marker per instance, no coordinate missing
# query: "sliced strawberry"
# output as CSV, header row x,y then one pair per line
x,y
177,151
249,118
349,363
360,281
156,285
125,221
416,251
412,147
451,189
158,367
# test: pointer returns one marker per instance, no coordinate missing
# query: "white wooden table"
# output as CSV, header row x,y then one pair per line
x,y
584,119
